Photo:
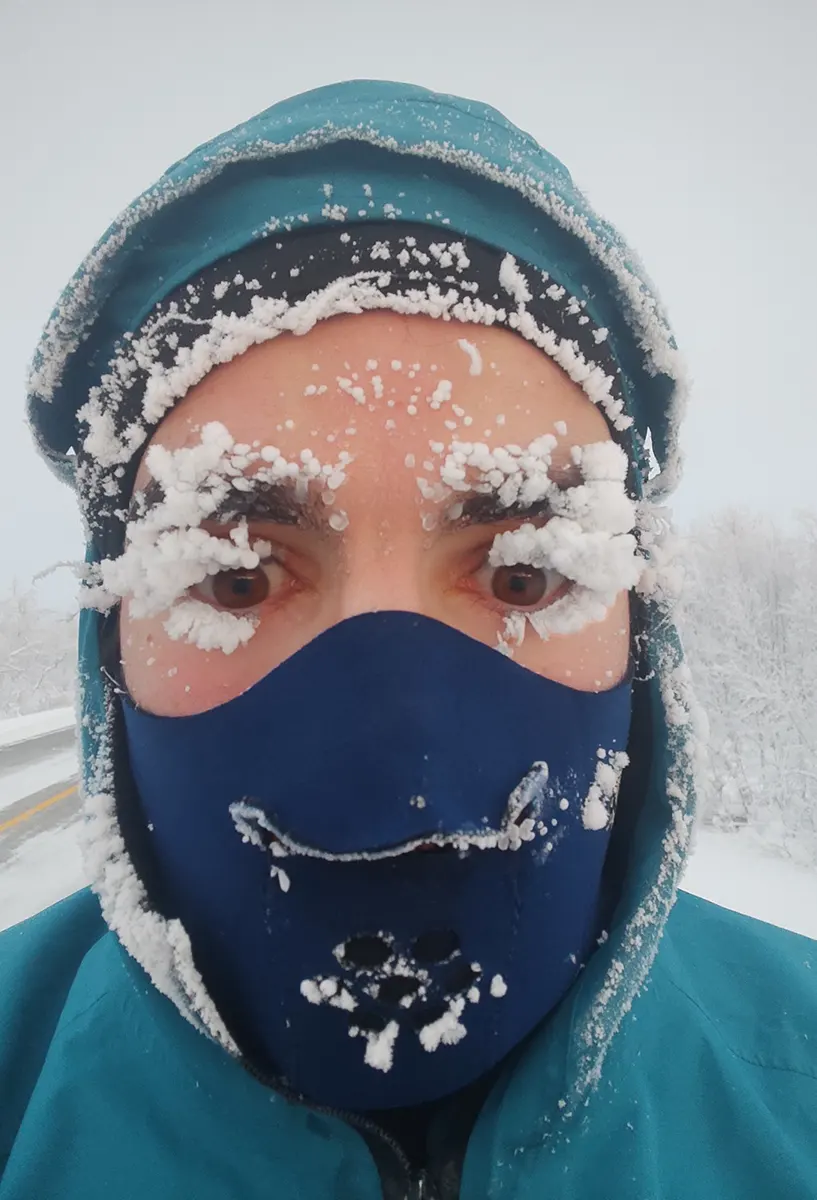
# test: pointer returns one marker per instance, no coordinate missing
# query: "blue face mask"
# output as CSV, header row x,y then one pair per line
x,y
387,854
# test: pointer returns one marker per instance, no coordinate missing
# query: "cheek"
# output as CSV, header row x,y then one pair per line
x,y
594,659
175,679
162,676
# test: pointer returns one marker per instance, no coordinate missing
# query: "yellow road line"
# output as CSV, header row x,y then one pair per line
x,y
30,812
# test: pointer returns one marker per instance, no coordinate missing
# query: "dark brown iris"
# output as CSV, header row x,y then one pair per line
x,y
520,585
241,588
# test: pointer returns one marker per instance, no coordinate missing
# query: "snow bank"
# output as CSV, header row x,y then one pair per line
x,y
14,730
733,870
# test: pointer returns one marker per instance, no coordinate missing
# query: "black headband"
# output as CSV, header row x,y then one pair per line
x,y
400,259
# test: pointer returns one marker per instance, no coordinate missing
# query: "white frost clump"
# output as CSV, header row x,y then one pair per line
x,y
167,552
208,628
441,393
518,476
499,987
597,560
513,281
327,991
473,353
283,879
599,805
513,633
447,1030
380,1047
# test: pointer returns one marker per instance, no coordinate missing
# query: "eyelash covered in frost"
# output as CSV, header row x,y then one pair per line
x,y
166,552
588,539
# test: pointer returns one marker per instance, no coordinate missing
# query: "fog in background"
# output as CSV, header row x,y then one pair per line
x,y
690,126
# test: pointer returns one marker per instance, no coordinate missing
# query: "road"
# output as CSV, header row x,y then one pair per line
x,y
43,808
47,809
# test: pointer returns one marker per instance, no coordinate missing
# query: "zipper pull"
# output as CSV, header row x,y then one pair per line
x,y
421,1188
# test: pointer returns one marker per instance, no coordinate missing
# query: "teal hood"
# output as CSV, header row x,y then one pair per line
x,y
354,152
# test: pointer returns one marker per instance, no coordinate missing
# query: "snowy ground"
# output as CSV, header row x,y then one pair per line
x,y
43,870
733,870
729,869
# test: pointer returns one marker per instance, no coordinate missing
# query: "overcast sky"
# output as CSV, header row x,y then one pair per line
x,y
690,126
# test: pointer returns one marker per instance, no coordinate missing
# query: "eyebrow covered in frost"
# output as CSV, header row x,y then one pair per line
x,y
280,502
484,507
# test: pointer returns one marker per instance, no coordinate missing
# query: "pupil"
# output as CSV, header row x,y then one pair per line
x,y
240,589
519,585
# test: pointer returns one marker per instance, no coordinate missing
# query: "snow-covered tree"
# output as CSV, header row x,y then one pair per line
x,y
37,655
749,622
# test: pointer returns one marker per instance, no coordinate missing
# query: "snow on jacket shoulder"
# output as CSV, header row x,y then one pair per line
x,y
709,1089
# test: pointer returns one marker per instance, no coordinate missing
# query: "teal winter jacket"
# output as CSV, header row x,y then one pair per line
x,y
682,1063
709,1090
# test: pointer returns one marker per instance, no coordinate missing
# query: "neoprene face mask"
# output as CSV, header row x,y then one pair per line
x,y
387,853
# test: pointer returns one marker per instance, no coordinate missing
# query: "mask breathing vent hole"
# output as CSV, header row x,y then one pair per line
x,y
428,1015
368,1022
366,951
460,977
397,988
436,947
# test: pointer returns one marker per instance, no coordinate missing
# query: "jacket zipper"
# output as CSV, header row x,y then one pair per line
x,y
418,1186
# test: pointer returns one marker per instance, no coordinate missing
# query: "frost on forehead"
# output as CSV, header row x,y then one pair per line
x,y
167,552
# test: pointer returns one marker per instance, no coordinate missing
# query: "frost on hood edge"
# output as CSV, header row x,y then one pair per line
x,y
160,946
77,310
627,975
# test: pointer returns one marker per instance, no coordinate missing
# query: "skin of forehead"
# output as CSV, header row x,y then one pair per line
x,y
258,392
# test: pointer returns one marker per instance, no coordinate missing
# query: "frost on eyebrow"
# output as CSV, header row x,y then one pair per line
x,y
166,550
519,476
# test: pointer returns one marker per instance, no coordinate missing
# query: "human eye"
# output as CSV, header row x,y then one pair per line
x,y
519,585
242,589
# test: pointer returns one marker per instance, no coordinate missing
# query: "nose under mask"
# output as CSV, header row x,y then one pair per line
x,y
387,854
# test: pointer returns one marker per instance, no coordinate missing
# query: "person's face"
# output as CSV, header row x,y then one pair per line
x,y
385,541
